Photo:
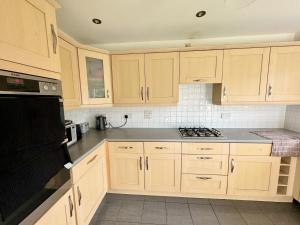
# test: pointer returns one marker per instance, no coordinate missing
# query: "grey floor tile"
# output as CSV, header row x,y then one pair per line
x,y
126,223
228,215
246,204
109,211
154,213
220,202
179,220
203,215
131,211
102,222
201,201
176,199
284,218
126,197
148,198
254,216
178,214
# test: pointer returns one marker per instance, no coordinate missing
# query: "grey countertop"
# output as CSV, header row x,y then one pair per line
x,y
94,138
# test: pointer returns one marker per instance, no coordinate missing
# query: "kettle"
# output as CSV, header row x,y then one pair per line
x,y
101,122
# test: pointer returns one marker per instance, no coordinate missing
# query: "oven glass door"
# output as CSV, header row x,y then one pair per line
x,y
32,156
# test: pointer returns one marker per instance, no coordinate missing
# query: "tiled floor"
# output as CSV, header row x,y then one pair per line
x,y
148,210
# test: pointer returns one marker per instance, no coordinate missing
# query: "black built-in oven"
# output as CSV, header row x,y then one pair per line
x,y
33,148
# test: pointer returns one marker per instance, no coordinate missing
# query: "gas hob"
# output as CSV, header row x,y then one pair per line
x,y
199,132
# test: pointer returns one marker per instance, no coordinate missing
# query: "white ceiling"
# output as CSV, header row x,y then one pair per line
x,y
161,20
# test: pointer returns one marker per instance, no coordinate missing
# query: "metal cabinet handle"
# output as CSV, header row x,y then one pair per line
x,y
142,93
54,39
125,147
232,165
204,158
224,92
147,165
71,206
79,196
199,80
270,90
161,147
204,178
92,159
141,166
148,93
107,93
205,149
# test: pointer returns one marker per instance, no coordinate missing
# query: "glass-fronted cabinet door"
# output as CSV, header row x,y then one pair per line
x,y
95,77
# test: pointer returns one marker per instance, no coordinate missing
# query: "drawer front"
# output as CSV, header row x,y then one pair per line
x,y
203,184
250,149
126,147
205,164
162,147
205,148
83,166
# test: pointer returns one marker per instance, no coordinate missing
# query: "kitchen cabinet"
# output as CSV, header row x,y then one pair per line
x,y
296,191
162,168
128,79
95,77
126,161
90,184
69,74
245,74
284,79
29,35
253,175
201,66
61,213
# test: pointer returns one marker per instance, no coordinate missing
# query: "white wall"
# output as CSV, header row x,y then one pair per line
x,y
194,109
292,118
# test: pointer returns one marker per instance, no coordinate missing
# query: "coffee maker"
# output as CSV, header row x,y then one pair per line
x,y
101,123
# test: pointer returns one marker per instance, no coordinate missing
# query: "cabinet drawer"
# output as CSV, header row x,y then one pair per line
x,y
205,148
205,164
203,184
162,147
82,167
250,149
126,147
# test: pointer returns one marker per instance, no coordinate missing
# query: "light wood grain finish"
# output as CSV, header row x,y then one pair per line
x,y
83,54
69,74
250,149
296,191
284,79
201,66
61,213
204,184
162,172
245,75
162,77
205,164
126,171
126,147
162,148
205,148
253,175
128,79
29,34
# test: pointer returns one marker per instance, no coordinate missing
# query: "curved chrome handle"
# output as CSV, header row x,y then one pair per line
x,y
199,80
92,159
147,165
79,196
232,165
141,166
107,93
204,178
204,158
125,147
71,206
148,93
161,147
224,92
54,37
270,90
142,93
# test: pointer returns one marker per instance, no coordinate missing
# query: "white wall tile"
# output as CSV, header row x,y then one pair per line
x,y
194,109
292,118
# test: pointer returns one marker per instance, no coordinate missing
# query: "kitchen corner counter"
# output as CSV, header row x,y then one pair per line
x,y
94,138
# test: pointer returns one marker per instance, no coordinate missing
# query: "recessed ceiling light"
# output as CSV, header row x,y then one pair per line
x,y
96,21
201,13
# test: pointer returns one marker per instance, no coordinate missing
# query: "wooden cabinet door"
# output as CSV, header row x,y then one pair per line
x,y
95,77
162,172
296,191
90,190
128,79
162,77
61,213
284,75
201,66
126,171
29,34
253,175
245,75
69,74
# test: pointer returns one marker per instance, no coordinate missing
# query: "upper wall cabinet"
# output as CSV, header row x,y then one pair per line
x,y
201,66
162,77
284,75
244,76
69,74
95,77
29,34
128,78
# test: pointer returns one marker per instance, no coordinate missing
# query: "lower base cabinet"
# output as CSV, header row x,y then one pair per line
x,y
253,175
61,213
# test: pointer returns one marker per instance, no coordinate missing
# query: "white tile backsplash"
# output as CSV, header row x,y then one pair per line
x,y
292,118
194,109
